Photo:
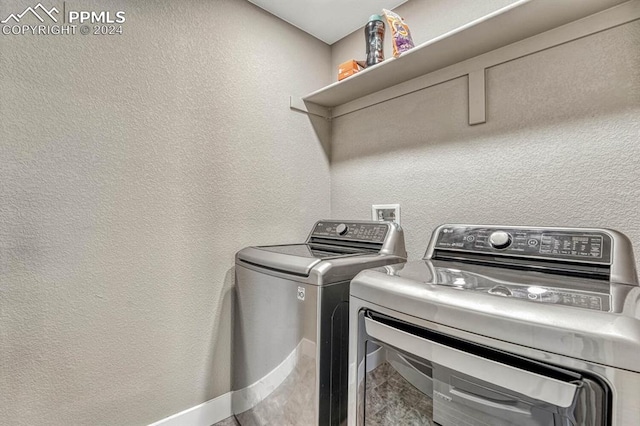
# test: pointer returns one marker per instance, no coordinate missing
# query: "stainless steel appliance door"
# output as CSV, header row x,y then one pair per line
x,y
428,378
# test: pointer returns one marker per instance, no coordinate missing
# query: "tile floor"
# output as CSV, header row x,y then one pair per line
x,y
392,401
231,421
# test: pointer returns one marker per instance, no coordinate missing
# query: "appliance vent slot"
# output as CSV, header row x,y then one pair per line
x,y
568,268
328,243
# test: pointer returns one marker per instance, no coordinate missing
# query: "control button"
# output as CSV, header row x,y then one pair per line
x,y
532,296
470,238
342,229
532,242
500,290
500,240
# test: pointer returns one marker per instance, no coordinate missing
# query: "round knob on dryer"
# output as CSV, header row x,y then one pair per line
x,y
500,240
342,229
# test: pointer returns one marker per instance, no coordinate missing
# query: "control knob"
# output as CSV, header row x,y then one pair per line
x,y
500,240
342,229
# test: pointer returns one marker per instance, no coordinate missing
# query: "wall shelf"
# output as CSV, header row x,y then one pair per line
x,y
525,27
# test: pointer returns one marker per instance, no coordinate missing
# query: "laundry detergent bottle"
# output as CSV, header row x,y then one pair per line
x,y
374,36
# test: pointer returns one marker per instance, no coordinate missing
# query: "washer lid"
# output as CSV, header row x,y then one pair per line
x,y
295,259
311,251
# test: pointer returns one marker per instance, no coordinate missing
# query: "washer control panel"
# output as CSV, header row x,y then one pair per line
x,y
374,232
549,243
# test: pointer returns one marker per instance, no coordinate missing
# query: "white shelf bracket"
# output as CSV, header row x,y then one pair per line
x,y
309,108
477,97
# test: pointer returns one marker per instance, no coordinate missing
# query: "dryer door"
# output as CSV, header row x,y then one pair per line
x,y
429,378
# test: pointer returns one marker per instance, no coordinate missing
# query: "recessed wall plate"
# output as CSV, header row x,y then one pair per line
x,y
386,212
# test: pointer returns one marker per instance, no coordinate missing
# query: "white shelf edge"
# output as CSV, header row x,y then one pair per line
x,y
608,18
411,53
299,104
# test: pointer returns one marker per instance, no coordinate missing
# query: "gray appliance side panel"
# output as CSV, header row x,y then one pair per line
x,y
344,269
270,322
333,351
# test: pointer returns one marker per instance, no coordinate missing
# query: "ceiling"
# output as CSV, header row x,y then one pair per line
x,y
327,20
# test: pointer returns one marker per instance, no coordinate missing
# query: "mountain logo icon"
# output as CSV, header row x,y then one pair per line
x,y
33,11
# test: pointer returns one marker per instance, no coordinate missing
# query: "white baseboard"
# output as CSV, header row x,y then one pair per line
x,y
205,414
220,408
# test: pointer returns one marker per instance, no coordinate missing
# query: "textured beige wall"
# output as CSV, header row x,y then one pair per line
x,y
560,146
427,19
131,169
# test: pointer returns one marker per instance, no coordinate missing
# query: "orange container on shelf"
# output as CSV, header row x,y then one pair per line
x,y
347,69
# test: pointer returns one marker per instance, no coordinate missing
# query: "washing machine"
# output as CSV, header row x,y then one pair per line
x,y
290,340
497,326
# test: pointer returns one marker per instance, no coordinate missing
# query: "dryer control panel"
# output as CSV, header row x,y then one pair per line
x,y
577,245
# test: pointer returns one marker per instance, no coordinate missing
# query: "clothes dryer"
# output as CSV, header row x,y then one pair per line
x,y
498,326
